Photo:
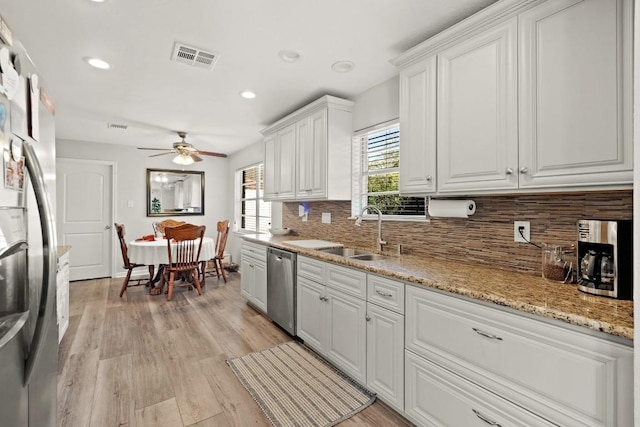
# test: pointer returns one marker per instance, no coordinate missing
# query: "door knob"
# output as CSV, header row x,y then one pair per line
x,y
523,170
509,171
107,227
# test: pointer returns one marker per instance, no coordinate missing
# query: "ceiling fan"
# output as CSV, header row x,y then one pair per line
x,y
185,153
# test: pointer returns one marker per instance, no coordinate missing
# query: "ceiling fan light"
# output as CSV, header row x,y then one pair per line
x,y
182,159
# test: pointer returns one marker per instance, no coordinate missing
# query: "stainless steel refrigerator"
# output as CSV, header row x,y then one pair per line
x,y
28,327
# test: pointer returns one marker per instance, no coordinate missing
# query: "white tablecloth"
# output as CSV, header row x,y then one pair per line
x,y
155,252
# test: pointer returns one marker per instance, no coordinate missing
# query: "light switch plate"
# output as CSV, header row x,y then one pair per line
x,y
326,217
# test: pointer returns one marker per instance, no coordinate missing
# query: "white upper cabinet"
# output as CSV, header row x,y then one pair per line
x,y
418,127
314,159
477,112
575,93
312,156
530,95
280,164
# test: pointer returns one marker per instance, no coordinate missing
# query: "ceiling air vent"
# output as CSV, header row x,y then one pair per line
x,y
193,56
117,126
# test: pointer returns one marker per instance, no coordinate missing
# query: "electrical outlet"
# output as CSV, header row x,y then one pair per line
x,y
526,226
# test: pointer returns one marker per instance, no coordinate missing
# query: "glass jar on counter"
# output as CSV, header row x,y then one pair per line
x,y
557,263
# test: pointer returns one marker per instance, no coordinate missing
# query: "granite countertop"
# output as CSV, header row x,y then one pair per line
x,y
523,292
62,249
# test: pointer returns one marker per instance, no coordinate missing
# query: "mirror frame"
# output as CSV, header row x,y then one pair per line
x,y
177,172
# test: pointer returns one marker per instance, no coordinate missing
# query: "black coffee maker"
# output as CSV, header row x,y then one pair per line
x,y
605,258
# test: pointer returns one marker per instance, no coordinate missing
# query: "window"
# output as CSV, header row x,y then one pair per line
x,y
252,212
376,167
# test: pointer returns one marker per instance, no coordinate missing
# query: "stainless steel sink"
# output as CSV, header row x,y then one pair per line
x,y
345,252
369,257
355,254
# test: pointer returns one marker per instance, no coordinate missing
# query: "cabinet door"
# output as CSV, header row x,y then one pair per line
x,y
575,99
310,317
385,355
286,152
346,334
418,127
477,112
260,285
311,142
247,278
271,176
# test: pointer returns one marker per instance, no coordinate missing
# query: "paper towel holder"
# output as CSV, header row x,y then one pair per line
x,y
450,208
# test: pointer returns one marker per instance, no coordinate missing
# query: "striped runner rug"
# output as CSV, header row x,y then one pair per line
x,y
294,387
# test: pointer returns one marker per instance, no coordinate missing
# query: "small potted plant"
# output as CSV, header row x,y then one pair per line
x,y
155,205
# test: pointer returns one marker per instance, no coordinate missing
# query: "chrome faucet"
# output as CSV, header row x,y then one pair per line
x,y
359,223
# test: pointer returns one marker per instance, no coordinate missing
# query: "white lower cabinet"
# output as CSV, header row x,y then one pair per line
x,y
385,355
346,343
62,294
560,374
253,281
331,320
437,397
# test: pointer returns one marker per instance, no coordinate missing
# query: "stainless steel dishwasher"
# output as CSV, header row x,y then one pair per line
x,y
281,288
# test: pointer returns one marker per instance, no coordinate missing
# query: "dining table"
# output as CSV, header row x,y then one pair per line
x,y
154,252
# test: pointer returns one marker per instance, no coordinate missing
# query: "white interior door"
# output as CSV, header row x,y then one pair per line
x,y
84,191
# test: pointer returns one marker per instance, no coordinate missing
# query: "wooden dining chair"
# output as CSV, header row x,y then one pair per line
x,y
128,264
159,226
184,243
221,243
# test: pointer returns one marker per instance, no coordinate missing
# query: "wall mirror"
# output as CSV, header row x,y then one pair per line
x,y
175,192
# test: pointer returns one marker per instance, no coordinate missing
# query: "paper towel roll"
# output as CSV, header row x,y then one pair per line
x,y
452,208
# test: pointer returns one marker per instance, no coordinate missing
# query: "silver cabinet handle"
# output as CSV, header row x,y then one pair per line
x,y
486,334
324,298
384,294
107,227
429,178
509,171
367,318
485,419
523,170
251,265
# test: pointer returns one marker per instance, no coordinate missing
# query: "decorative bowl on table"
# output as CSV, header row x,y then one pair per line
x,y
279,231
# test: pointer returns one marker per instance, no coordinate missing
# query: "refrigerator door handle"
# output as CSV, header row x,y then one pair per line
x,y
48,253
10,326
17,246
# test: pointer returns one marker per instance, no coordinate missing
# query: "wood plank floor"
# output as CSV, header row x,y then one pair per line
x,y
143,361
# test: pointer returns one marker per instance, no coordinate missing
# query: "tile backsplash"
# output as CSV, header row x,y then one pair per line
x,y
484,238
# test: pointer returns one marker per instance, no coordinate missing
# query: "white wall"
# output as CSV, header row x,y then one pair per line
x,y
131,168
377,105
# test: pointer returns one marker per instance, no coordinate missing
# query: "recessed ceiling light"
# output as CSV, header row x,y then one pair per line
x,y
290,55
343,66
98,1
247,94
97,63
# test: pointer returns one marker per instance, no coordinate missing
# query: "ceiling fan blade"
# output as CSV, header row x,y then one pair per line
x,y
161,154
211,153
161,149
195,157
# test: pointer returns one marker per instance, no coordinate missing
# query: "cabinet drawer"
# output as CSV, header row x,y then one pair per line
x,y
385,292
347,280
254,250
312,269
436,397
566,376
